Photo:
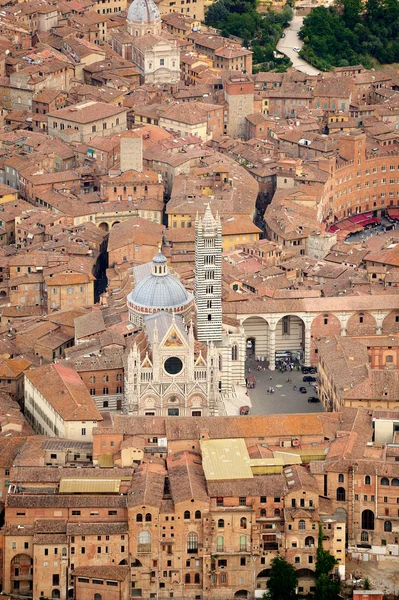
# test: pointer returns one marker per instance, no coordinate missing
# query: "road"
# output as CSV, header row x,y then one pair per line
x,y
291,41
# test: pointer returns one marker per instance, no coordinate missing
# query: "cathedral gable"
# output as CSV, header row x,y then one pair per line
x,y
173,339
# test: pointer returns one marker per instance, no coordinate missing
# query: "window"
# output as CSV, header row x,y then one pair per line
x,y
144,541
83,430
340,478
387,526
219,501
197,578
301,524
187,515
341,494
364,536
220,543
367,480
221,523
243,543
139,518
192,542
187,578
56,579
242,501
368,519
395,482
309,541
384,481
148,518
197,514
234,352
243,523
325,319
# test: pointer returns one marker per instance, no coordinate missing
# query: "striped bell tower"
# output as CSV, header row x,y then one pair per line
x,y
208,276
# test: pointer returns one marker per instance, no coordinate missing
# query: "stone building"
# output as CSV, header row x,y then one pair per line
x,y
156,56
170,370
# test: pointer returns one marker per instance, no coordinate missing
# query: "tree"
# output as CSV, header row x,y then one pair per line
x,y
366,584
282,581
326,588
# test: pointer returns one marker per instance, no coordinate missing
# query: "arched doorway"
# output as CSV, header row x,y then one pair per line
x,y
241,594
22,574
257,330
250,346
56,594
104,226
290,337
262,579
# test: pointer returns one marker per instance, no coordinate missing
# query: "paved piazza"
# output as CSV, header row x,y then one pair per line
x,y
285,399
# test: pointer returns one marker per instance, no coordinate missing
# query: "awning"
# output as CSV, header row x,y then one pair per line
x,y
393,213
89,486
105,460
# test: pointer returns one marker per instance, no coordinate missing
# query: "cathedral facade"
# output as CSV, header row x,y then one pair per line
x,y
154,52
185,361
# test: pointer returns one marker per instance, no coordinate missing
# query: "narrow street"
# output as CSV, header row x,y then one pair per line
x,y
291,40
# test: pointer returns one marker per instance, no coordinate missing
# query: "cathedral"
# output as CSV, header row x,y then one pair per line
x,y
185,361
155,53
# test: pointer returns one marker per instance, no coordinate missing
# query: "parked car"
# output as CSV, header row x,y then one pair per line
x,y
303,390
283,35
309,378
296,49
313,399
244,410
312,369
305,369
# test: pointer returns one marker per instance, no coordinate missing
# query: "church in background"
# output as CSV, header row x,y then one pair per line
x,y
142,41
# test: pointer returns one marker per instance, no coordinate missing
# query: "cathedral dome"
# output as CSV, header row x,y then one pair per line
x,y
143,11
160,290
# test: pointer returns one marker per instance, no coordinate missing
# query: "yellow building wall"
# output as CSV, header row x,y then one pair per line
x,y
230,241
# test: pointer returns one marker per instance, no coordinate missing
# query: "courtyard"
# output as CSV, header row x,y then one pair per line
x,y
285,399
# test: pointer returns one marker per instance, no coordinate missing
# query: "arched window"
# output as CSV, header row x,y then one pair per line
x,y
187,578
340,478
243,543
139,518
64,552
368,519
148,518
234,352
364,537
301,524
309,541
263,512
220,363
220,543
144,541
384,481
243,523
367,480
341,494
325,319
192,542
395,481
221,523
197,514
97,597
276,512
186,515
57,594
361,317
387,526
197,578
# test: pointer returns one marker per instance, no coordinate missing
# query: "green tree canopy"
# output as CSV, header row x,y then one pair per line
x,y
282,581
